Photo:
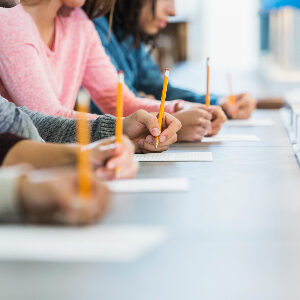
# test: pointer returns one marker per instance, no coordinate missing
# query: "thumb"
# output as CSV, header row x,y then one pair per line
x,y
149,121
102,153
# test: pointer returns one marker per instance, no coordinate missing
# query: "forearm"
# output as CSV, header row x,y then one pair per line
x,y
62,130
40,155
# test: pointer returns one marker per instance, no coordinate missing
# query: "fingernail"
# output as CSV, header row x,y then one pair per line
x,y
141,143
155,131
149,139
163,138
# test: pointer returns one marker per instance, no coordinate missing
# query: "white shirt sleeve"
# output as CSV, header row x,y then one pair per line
x,y
8,190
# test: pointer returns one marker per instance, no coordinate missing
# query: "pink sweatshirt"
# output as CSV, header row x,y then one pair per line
x,y
47,80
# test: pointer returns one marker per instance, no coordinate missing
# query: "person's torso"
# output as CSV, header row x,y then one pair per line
x,y
64,64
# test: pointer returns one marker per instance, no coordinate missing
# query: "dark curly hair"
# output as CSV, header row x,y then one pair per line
x,y
125,15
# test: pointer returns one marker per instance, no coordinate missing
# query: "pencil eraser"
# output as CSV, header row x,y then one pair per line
x,y
121,76
167,72
83,98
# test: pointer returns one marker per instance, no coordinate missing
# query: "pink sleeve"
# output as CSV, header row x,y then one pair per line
x,y
101,80
25,80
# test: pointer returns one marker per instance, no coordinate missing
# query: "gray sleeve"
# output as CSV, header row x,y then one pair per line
x,y
63,130
15,121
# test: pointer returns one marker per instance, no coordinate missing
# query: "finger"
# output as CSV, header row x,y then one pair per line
x,y
202,132
172,126
242,103
129,144
148,120
100,202
89,211
100,154
204,123
122,160
130,171
219,115
151,148
104,174
215,130
205,113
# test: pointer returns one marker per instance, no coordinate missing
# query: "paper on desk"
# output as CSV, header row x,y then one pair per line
x,y
231,138
97,243
250,123
174,157
149,185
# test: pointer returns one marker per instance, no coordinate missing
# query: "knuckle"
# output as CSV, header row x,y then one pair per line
x,y
140,113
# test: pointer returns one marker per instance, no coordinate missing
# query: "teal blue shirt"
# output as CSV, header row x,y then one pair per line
x,y
142,74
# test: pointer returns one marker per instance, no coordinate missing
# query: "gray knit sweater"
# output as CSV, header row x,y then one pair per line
x,y
15,121
62,130
36,126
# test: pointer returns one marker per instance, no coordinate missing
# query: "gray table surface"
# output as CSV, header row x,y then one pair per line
x,y
234,235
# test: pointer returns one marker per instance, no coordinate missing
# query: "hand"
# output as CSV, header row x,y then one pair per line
x,y
243,109
218,119
106,156
218,116
196,124
141,127
50,197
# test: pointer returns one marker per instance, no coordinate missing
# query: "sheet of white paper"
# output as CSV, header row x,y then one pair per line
x,y
94,244
250,123
231,138
174,157
149,185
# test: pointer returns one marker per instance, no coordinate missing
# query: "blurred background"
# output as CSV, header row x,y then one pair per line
x,y
257,41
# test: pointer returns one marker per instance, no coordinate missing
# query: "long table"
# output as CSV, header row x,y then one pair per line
x,y
234,235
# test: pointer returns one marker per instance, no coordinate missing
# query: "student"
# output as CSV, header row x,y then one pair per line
x,y
43,197
49,50
135,25
139,127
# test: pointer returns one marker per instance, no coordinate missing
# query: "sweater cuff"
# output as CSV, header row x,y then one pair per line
x,y
9,190
103,127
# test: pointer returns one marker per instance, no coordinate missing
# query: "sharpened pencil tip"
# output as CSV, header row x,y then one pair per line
x,y
156,144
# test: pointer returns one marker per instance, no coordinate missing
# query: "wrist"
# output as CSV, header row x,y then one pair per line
x,y
71,154
179,106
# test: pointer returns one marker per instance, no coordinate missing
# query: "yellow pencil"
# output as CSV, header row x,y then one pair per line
x,y
162,104
83,138
207,98
119,113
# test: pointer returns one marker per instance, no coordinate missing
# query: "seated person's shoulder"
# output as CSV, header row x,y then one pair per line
x,y
12,16
78,21
16,27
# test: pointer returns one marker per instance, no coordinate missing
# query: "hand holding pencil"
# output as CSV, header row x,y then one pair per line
x,y
142,128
